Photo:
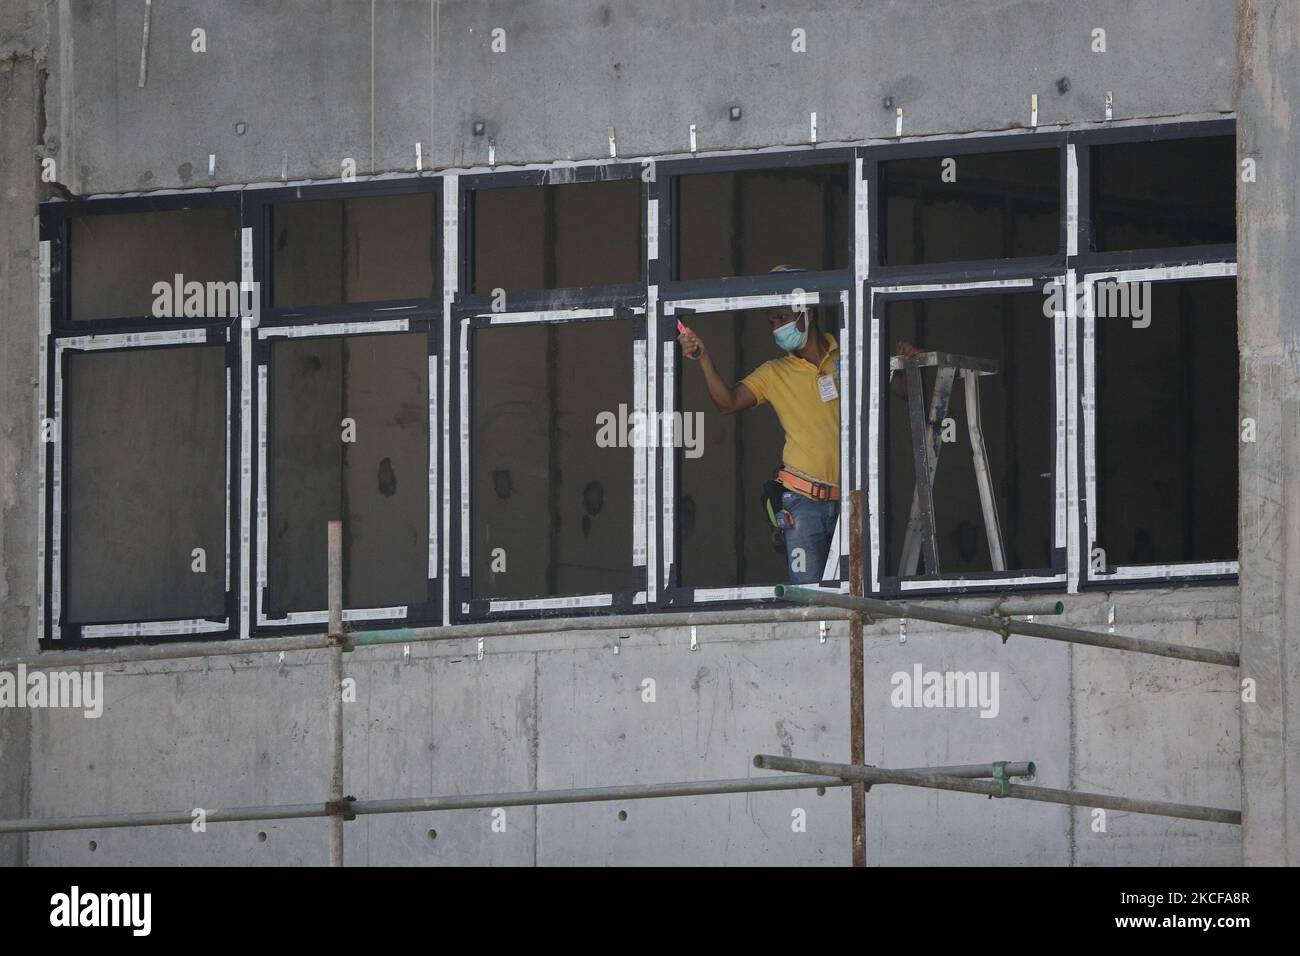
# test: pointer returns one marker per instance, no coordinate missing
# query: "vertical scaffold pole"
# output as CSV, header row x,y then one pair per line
x,y
857,717
335,711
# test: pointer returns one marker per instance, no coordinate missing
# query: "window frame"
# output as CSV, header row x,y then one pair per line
x,y
53,631
874,158
56,217
468,317
1051,578
1130,575
294,622
665,589
546,300
668,174
260,203
658,289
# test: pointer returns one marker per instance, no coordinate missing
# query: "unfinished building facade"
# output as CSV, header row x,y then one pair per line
x,y
413,300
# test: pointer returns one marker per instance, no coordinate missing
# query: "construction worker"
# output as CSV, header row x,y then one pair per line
x,y
803,387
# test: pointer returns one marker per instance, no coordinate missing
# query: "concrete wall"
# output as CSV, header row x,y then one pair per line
x,y
563,710
566,711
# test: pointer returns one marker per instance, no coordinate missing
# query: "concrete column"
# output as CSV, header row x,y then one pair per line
x,y
19,90
1268,251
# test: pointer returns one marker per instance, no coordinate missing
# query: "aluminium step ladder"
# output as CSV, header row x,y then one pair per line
x,y
920,540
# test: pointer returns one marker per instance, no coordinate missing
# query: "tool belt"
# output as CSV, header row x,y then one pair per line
x,y
817,490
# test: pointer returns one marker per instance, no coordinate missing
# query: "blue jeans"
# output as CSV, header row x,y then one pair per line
x,y
809,541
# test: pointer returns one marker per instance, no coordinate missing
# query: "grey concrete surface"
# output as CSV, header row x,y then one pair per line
x,y
319,81
563,710
20,85
1270,394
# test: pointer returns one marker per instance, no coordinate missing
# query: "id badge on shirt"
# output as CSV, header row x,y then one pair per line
x,y
826,388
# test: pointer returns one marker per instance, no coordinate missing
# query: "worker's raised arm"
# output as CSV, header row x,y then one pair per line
x,y
727,399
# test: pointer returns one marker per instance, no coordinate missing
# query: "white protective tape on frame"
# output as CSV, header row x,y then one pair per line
x,y
872,454
640,454
432,446
861,266
349,615
1072,434
262,412
245,437
1145,572
846,336
652,229
1089,425
42,360
1200,270
555,315
1061,404
912,584
739,302
1071,201
668,504
153,629
464,446
56,479
129,340
333,328
450,285
550,604
230,386
652,453
958,286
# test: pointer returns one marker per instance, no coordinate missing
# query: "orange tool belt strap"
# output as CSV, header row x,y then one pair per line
x,y
817,490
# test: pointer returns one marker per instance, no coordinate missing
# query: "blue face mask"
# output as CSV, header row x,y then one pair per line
x,y
789,337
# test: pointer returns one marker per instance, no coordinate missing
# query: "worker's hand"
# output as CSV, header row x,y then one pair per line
x,y
691,345
906,349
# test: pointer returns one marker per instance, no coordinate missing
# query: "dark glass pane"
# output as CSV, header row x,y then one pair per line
x,y
746,223
146,484
1165,193
724,537
1017,415
117,259
557,237
371,249
971,206
378,484
1167,427
550,504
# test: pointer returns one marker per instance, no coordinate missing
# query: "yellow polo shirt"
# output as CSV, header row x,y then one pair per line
x,y
812,426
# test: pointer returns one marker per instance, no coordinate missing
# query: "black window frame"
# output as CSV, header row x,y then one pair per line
x,y
260,206
887,583
545,300
668,174
469,315
429,612
56,217
832,290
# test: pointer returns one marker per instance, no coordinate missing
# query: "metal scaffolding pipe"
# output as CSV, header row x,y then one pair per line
x,y
294,811
857,692
334,697
938,781
181,650
1005,625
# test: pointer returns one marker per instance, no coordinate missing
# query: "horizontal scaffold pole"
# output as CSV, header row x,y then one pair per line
x,y
526,798
180,650
1004,625
936,780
